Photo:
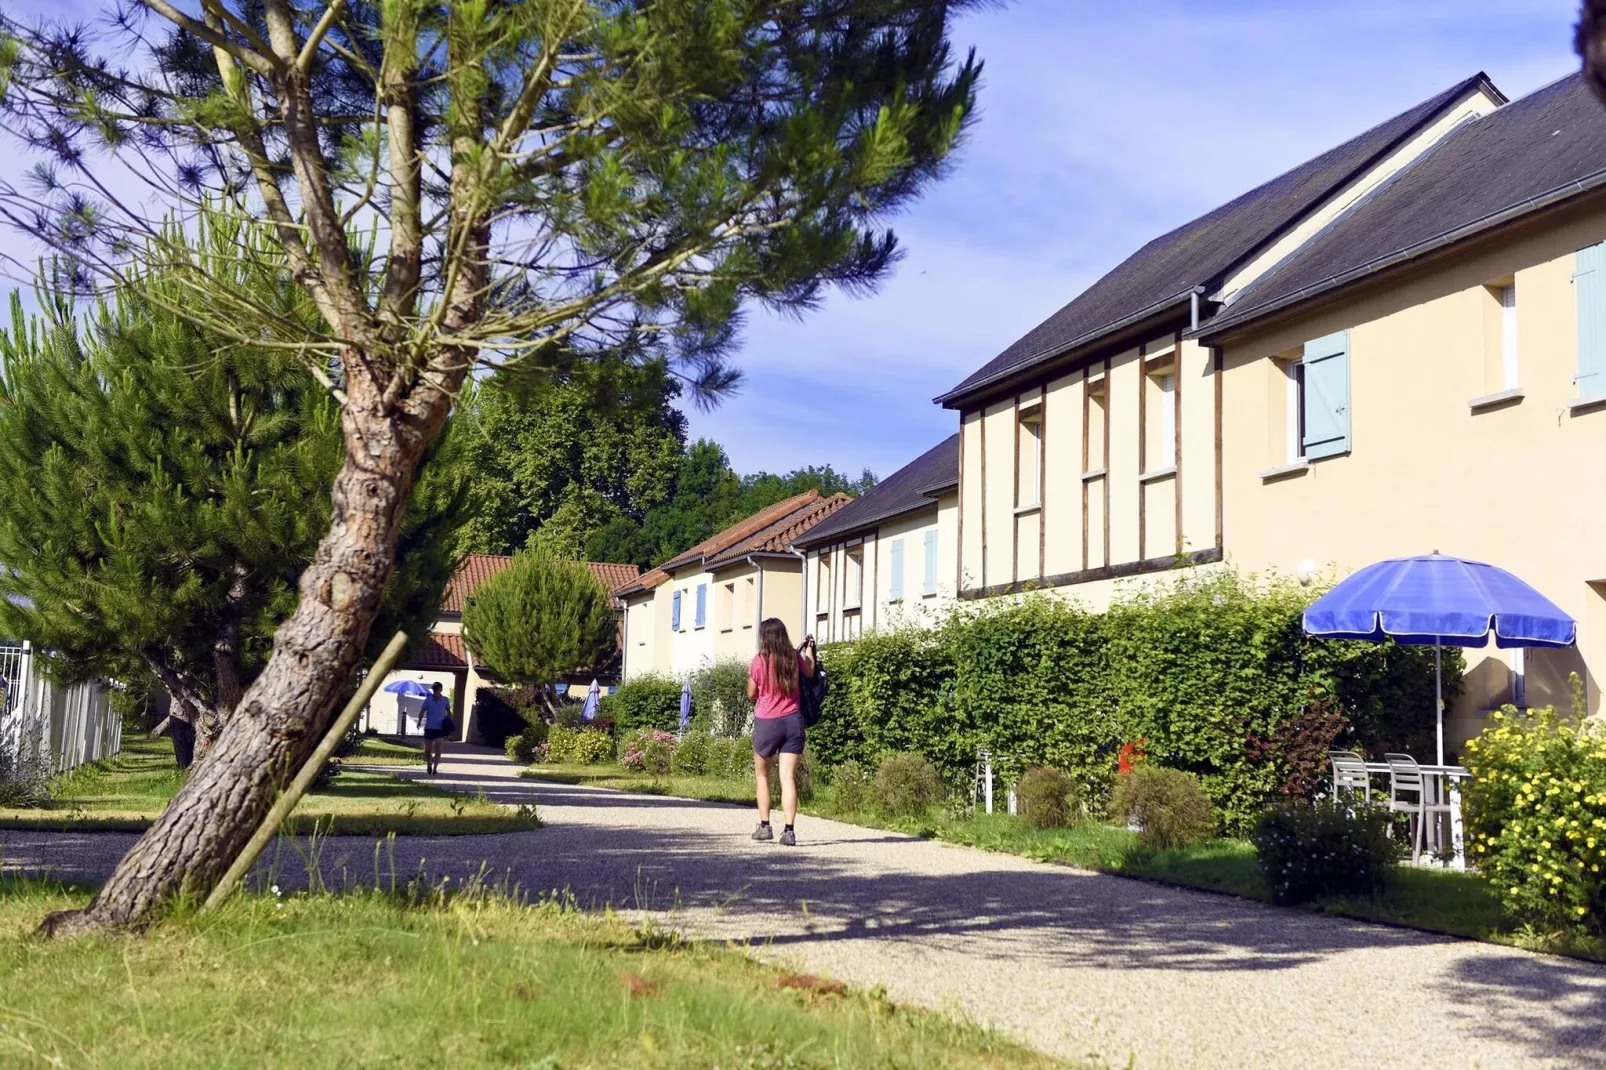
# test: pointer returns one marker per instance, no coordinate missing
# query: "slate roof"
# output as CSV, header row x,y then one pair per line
x,y
1163,273
904,491
1547,147
475,569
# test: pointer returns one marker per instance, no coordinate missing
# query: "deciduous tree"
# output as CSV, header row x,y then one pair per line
x,y
555,184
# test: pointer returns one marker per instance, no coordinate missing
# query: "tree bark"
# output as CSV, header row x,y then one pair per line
x,y
282,715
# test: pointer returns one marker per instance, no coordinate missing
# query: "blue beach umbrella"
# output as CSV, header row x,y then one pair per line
x,y
685,705
588,712
1443,601
409,688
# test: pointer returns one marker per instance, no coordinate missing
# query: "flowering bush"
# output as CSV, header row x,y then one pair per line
x,y
1536,819
581,746
1329,849
649,750
521,746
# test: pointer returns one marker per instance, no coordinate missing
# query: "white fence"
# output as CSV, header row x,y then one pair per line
x,y
66,725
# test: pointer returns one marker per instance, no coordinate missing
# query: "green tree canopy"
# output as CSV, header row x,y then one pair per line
x,y
540,618
162,488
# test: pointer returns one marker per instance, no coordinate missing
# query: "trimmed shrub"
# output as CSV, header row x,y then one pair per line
x,y
585,746
1323,851
521,746
1536,819
649,751
1049,798
852,788
650,701
719,693
731,759
1168,807
907,785
691,755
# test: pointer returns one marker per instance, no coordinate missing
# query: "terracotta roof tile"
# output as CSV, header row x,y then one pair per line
x,y
777,538
745,529
477,568
443,650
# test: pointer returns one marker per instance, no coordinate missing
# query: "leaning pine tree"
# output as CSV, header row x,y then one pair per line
x,y
547,185
539,619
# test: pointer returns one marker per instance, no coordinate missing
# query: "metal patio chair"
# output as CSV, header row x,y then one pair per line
x,y
1406,778
1350,774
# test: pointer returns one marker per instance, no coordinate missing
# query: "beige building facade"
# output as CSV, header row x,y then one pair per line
x,y
706,604
1397,348
888,559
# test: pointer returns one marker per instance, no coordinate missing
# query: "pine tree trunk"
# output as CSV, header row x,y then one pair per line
x,y
282,715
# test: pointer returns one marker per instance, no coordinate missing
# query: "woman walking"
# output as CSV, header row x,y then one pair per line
x,y
774,683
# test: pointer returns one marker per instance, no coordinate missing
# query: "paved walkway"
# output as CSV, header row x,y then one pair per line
x,y
1076,963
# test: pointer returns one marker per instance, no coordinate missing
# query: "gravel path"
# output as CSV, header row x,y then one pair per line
x,y
1076,963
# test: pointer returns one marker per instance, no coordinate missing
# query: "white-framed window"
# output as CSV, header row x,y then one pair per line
x,y
1029,491
853,578
727,606
1294,406
1510,371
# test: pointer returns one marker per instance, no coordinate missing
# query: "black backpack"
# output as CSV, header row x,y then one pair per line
x,y
811,693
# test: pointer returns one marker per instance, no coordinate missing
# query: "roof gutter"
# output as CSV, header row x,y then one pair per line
x,y
1119,325
1215,331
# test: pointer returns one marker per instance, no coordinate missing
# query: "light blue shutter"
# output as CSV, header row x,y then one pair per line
x,y
931,561
674,612
895,582
1327,396
702,604
1589,279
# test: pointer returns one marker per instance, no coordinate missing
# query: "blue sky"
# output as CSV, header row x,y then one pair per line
x,y
1103,125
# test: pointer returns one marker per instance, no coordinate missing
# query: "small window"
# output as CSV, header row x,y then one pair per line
x,y
674,612
727,606
1501,368
749,607
853,579
822,589
1160,445
1029,482
1508,336
1095,456
1295,409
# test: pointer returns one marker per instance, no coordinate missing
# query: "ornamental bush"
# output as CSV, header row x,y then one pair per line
x,y
579,746
719,694
649,701
852,788
522,746
648,750
1536,819
907,785
731,759
1168,806
1049,798
1326,850
691,755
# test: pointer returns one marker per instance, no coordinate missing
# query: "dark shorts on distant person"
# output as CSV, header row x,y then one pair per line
x,y
778,735
437,733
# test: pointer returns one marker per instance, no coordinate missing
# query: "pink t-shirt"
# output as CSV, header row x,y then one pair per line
x,y
772,702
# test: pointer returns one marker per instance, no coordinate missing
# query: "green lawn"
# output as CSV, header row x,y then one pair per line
x,y
128,791
1434,899
337,981
388,750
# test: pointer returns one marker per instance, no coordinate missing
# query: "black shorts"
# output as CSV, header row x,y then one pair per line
x,y
437,733
778,735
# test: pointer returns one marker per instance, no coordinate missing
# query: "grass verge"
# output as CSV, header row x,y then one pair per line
x,y
470,981
388,750
1436,900
126,792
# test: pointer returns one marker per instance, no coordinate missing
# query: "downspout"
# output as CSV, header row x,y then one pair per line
x,y
1193,307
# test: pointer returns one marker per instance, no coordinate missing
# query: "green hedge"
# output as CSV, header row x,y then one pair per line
x,y
1213,673
648,701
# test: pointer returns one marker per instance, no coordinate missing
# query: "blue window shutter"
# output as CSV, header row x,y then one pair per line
x,y
1327,396
674,612
702,604
931,561
1589,279
895,581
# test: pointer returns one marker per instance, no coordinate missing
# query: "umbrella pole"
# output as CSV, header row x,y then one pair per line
x,y
1438,695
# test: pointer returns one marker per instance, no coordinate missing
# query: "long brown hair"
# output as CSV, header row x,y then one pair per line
x,y
780,658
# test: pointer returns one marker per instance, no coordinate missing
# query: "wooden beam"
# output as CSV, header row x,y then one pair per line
x,y
1176,428
1208,556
